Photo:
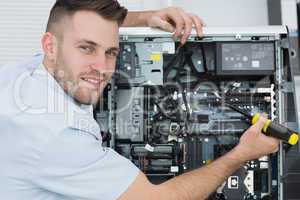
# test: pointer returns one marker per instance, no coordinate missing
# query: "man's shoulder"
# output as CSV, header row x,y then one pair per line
x,y
11,71
14,83
33,98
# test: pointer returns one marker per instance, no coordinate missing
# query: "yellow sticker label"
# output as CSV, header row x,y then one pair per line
x,y
155,57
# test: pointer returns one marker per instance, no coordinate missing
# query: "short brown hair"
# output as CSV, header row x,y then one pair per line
x,y
108,9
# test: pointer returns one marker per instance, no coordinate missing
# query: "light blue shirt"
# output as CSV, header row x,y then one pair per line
x,y
50,147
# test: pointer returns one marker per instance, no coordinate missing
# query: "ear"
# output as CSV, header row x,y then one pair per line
x,y
49,45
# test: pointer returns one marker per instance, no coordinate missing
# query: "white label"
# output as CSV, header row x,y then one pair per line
x,y
174,169
255,64
150,148
264,165
264,90
233,182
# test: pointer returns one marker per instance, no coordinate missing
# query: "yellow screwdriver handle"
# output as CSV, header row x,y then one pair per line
x,y
278,131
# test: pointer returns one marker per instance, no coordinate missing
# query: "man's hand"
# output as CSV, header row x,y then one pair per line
x,y
176,19
254,144
170,19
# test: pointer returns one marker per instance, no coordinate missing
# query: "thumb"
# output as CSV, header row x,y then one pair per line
x,y
261,122
157,22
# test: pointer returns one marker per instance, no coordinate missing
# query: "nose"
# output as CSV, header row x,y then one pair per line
x,y
103,63
99,61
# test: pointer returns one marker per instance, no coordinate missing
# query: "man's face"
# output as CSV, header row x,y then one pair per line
x,y
86,56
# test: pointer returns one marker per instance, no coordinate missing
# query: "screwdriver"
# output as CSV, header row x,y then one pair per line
x,y
271,128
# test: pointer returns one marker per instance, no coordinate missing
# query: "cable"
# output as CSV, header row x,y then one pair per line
x,y
176,119
170,66
182,58
204,58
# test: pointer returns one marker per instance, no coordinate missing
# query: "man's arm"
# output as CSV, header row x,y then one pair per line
x,y
200,183
169,19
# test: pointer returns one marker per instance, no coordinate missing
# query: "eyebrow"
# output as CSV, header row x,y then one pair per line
x,y
88,42
92,43
113,49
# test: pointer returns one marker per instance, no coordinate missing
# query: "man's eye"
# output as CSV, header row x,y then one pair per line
x,y
112,53
86,49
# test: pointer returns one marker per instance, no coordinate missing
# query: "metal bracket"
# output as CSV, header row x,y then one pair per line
x,y
284,43
287,87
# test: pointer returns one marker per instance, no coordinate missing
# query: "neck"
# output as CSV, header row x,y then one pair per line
x,y
49,66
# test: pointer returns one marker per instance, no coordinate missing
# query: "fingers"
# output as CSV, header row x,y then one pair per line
x,y
273,143
261,122
172,18
184,23
157,22
198,22
188,25
176,18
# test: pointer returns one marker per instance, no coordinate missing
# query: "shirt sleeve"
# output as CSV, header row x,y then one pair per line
x,y
75,165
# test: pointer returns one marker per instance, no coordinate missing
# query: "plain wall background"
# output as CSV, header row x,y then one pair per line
x,y
228,12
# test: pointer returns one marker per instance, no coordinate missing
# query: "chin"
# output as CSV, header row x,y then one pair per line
x,y
87,101
87,98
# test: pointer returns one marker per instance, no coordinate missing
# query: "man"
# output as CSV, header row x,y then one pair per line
x,y
50,143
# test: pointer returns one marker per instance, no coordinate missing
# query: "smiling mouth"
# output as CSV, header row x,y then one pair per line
x,y
93,83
